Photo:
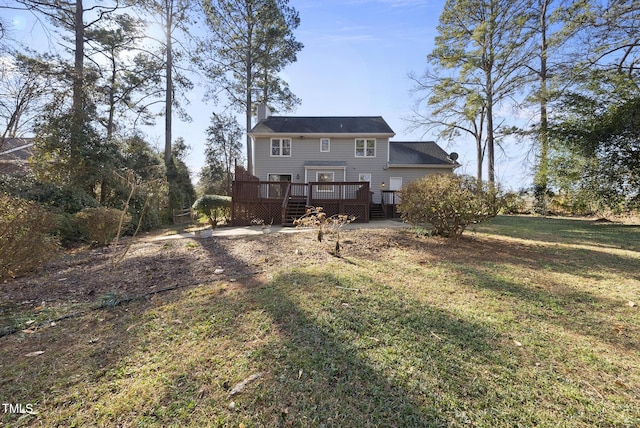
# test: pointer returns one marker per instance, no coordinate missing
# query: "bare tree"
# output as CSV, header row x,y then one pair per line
x,y
21,97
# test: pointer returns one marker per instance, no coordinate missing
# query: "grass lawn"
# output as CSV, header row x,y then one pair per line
x,y
522,322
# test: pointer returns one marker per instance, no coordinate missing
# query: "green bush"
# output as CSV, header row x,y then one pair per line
x,y
516,203
575,203
25,240
68,199
150,213
449,203
214,207
100,225
67,229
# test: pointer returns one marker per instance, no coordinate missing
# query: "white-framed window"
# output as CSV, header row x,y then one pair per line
x,y
325,145
323,177
365,147
281,147
365,176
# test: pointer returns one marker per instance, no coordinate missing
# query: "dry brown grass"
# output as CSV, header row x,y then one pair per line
x,y
526,322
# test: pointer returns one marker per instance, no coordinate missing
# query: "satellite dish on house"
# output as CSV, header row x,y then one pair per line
x,y
453,156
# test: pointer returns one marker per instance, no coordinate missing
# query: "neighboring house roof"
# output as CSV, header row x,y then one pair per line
x,y
417,153
14,155
362,125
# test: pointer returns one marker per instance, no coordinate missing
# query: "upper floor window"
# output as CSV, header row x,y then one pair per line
x,y
325,145
281,147
365,147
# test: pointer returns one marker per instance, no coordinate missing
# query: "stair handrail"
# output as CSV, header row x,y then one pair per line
x,y
383,203
285,202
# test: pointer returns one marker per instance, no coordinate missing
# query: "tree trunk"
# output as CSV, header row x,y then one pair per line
x,y
480,157
490,135
249,88
112,99
541,178
248,126
78,71
169,84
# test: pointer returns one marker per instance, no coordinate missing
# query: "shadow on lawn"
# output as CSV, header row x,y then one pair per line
x,y
377,358
374,358
490,264
578,311
329,356
171,358
588,263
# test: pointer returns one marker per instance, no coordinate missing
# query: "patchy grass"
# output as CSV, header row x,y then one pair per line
x,y
598,233
526,322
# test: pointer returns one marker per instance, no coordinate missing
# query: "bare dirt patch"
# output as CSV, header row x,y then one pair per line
x,y
156,262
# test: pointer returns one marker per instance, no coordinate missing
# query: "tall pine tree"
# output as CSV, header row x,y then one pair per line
x,y
250,42
480,50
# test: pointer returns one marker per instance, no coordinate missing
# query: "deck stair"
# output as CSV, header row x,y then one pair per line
x,y
376,212
296,208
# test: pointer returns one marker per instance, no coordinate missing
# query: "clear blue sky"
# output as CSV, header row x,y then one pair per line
x,y
355,62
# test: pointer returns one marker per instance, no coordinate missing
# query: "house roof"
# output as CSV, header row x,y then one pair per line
x,y
363,125
411,153
14,153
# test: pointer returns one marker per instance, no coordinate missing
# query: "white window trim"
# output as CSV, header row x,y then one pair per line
x,y
328,140
365,173
281,139
396,179
333,174
375,147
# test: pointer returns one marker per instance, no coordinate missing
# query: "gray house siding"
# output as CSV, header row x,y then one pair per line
x,y
307,150
342,149
306,160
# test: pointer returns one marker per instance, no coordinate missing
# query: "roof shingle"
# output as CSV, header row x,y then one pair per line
x,y
322,125
418,153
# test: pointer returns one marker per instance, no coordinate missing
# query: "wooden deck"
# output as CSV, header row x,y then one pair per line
x,y
256,202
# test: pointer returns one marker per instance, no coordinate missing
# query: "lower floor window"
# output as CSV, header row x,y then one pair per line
x,y
325,177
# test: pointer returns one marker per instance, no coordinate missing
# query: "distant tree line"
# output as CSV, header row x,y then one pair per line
x,y
571,66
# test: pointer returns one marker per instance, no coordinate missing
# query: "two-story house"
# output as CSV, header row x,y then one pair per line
x,y
347,165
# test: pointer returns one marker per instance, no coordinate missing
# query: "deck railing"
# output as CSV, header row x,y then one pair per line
x,y
390,200
262,199
338,191
285,203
